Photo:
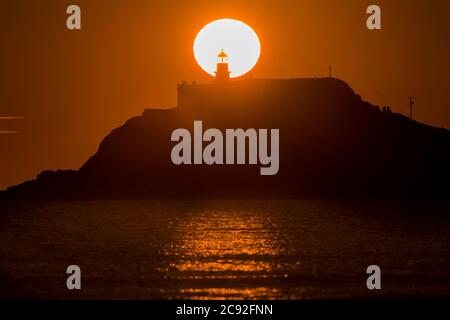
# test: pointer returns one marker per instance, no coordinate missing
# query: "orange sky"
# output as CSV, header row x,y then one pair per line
x,y
73,87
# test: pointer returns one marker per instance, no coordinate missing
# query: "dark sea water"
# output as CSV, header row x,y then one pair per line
x,y
305,249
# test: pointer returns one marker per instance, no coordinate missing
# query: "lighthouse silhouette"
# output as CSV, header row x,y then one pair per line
x,y
222,72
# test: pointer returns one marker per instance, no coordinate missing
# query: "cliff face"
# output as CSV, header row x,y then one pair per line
x,y
331,144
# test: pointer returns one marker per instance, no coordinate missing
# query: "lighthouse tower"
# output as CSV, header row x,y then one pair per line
x,y
222,72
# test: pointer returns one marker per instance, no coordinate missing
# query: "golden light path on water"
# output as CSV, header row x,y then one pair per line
x,y
226,255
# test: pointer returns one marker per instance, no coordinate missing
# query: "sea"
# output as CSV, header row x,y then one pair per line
x,y
228,249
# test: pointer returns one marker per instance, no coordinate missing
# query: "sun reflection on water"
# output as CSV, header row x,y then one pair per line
x,y
225,254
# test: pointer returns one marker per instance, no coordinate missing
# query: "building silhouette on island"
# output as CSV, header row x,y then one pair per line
x,y
222,73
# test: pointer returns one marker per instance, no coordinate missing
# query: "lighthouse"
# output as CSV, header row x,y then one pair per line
x,y
222,72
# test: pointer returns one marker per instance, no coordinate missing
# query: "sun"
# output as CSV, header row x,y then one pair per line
x,y
237,40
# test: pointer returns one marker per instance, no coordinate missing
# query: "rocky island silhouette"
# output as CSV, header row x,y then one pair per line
x,y
332,144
